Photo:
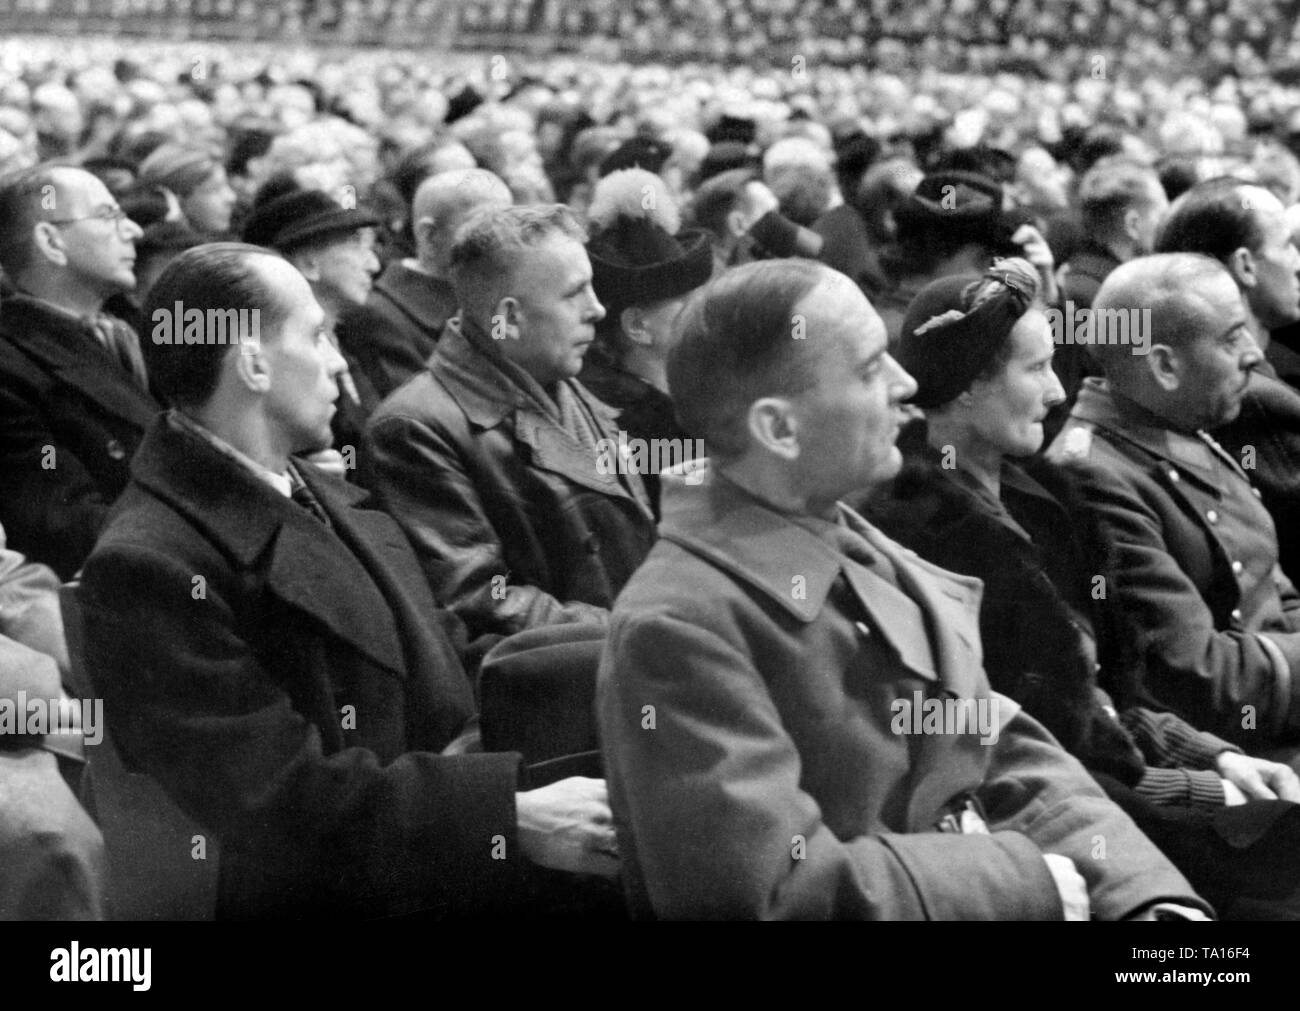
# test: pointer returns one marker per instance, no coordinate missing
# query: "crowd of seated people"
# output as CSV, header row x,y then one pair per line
x,y
1041,34
605,491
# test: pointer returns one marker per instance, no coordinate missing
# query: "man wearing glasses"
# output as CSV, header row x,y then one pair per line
x,y
74,397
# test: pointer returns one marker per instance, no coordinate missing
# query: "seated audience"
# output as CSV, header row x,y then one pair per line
x,y
1244,227
74,395
490,458
268,650
1217,621
973,498
768,665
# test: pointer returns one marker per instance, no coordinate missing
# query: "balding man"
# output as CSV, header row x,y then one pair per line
x,y
1245,228
74,398
413,298
1196,571
768,665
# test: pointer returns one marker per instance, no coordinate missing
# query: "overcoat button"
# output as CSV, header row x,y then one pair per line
x,y
116,450
1212,516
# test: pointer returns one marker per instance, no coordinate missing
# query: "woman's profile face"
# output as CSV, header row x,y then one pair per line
x,y
1007,410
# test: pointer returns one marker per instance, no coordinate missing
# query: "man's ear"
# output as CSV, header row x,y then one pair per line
x,y
632,320
736,224
504,322
422,229
251,367
1165,366
1133,224
307,264
47,240
772,424
1241,265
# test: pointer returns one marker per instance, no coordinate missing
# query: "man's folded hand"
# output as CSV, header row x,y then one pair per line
x,y
567,826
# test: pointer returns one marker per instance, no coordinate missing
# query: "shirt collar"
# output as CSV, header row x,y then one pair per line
x,y
283,483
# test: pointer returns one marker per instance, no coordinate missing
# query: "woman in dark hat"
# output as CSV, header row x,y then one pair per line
x,y
643,269
973,497
333,247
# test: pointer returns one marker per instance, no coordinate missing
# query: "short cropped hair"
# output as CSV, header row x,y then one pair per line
x,y
216,277
1112,186
491,243
718,197
735,346
1211,218
20,210
1170,287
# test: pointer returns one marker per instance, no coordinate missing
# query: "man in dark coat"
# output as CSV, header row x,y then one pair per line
x,y
1196,569
267,649
761,690
503,469
74,398
393,334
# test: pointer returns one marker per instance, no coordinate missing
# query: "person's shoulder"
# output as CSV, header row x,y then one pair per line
x,y
144,532
422,397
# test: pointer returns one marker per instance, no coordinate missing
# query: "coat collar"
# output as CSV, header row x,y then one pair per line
x,y
1126,421
252,524
719,521
426,299
66,346
484,392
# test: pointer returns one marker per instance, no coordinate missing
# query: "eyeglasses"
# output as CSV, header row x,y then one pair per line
x,y
108,215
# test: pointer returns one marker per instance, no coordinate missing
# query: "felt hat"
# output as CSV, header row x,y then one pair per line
x,y
293,219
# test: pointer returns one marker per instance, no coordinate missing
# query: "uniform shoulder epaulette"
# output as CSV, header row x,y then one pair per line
x,y
1077,444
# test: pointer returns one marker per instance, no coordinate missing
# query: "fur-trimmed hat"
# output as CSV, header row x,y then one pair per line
x,y
962,204
636,255
636,152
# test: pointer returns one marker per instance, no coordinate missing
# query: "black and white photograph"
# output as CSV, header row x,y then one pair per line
x,y
585,465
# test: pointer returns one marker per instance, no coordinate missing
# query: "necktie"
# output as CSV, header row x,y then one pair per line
x,y
301,494
123,344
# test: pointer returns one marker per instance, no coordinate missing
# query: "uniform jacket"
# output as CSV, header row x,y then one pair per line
x,y
290,687
1269,423
746,702
70,420
1196,570
1054,638
392,335
514,522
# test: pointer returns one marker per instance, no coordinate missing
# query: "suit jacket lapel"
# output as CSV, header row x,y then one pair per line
x,y
77,358
384,552
552,449
306,566
948,651
311,570
488,398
